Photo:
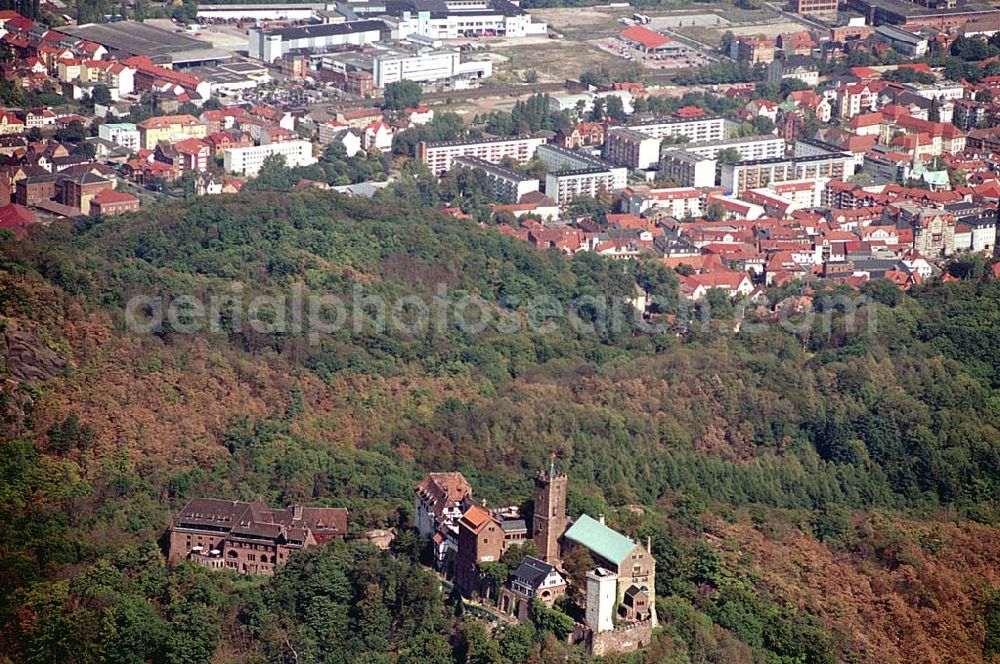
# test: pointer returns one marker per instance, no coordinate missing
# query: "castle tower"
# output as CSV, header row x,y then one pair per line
x,y
602,598
549,522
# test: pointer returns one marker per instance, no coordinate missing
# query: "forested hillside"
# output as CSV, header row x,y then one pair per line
x,y
820,497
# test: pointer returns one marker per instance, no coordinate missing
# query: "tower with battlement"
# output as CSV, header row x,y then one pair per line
x,y
549,521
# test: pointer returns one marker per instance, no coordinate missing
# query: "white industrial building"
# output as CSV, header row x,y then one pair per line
x,y
270,44
247,161
425,65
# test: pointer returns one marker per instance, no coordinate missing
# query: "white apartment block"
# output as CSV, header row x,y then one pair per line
x,y
124,134
678,202
758,173
247,161
695,129
440,156
564,186
574,174
627,147
750,147
508,185
688,169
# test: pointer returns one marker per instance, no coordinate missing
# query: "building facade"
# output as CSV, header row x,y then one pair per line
x,y
248,161
439,156
249,538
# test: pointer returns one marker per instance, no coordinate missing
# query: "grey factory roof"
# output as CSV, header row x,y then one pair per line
x,y
136,38
328,29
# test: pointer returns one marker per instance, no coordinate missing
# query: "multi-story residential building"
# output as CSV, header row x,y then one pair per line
x,y
566,185
573,174
944,136
676,202
191,154
247,161
687,169
816,6
970,114
439,155
508,185
753,50
857,98
249,538
889,166
933,229
693,129
798,67
942,90
10,124
39,117
119,79
753,174
169,128
749,147
625,146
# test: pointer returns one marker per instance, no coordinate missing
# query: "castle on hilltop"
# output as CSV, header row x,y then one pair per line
x,y
620,611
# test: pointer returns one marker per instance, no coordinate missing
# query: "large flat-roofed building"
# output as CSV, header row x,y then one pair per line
x,y
816,6
439,156
271,44
249,538
390,64
749,147
449,19
573,174
909,14
627,147
738,177
903,41
298,11
687,169
694,129
247,161
508,185
125,39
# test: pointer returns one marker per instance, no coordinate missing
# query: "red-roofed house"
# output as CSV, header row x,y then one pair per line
x,y
696,286
16,218
109,202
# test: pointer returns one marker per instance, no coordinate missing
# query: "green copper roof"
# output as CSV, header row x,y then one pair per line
x,y
608,544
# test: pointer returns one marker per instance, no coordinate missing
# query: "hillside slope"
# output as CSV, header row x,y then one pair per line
x,y
830,497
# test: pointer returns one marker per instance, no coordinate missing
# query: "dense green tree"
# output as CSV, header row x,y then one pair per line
x,y
401,95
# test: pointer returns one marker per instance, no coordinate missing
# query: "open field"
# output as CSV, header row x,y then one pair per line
x,y
558,59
